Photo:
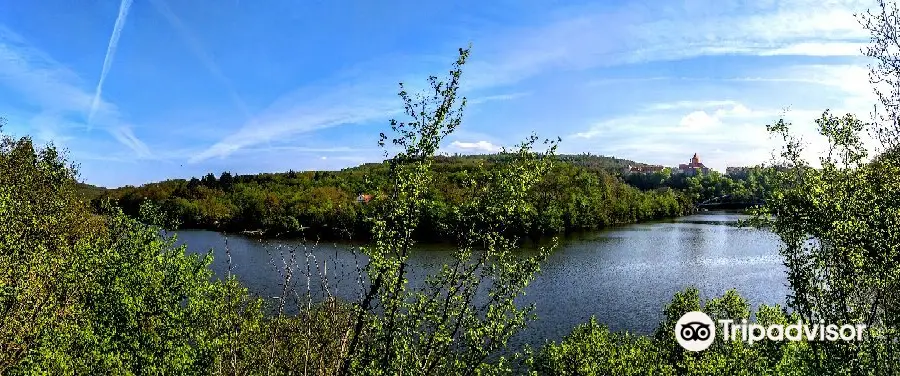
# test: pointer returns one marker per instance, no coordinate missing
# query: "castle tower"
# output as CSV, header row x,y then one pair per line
x,y
695,160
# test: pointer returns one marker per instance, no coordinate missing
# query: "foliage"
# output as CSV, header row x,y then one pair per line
x,y
42,222
84,293
591,349
882,22
466,312
839,225
578,193
747,188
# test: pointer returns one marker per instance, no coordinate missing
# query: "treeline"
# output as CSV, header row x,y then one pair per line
x,y
747,186
581,192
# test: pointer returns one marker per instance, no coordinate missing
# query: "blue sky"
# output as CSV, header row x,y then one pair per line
x,y
146,90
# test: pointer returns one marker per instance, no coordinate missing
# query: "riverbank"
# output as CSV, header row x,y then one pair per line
x,y
311,234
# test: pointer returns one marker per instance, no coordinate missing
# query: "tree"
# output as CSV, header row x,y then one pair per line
x,y
193,184
441,323
209,181
226,181
883,23
82,293
42,222
841,232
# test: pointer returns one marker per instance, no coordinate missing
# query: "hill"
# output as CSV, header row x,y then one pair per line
x,y
89,192
582,192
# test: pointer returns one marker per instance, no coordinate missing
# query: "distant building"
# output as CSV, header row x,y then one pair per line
x,y
363,199
694,167
737,171
642,169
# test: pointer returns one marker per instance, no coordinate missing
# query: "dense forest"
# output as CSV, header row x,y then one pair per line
x,y
580,192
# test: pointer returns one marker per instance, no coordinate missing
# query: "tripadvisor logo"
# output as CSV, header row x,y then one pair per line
x,y
695,331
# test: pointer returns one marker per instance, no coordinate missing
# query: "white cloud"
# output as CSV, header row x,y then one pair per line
x,y
723,132
498,97
663,132
482,146
698,120
57,90
689,105
610,127
630,33
110,54
819,49
304,111
848,81
634,33
50,128
126,137
305,149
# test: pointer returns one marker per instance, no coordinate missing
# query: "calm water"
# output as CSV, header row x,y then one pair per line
x,y
624,276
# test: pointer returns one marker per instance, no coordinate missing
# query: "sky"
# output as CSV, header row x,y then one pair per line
x,y
145,90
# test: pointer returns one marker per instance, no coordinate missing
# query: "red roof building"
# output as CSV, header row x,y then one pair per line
x,y
694,167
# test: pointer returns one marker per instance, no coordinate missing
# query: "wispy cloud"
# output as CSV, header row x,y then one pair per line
x,y
680,118
58,91
360,94
307,110
126,136
616,35
633,33
49,127
819,49
305,149
660,137
498,97
848,81
312,109
729,132
482,146
679,105
200,52
110,54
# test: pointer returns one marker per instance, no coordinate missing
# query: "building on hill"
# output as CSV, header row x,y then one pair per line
x,y
693,167
737,171
648,169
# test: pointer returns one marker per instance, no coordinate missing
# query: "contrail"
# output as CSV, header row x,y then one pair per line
x,y
198,50
110,53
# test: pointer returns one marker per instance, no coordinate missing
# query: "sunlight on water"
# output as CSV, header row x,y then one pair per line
x,y
623,276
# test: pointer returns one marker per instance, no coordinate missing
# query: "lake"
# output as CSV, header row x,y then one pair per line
x,y
623,276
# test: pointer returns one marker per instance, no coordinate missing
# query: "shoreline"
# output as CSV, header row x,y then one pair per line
x,y
260,235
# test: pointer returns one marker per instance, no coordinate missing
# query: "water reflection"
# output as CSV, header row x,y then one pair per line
x,y
624,276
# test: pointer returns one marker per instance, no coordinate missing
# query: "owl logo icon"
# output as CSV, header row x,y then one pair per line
x,y
695,331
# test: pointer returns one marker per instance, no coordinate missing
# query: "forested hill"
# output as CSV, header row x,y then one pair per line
x,y
89,192
595,162
582,192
